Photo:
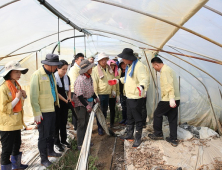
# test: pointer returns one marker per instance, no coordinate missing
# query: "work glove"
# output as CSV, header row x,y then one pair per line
x,y
172,103
140,90
38,119
113,94
113,82
97,100
117,99
89,108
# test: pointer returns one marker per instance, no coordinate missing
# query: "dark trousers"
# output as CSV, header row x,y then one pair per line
x,y
60,126
124,108
112,108
46,130
144,111
83,119
164,108
74,121
11,142
104,103
134,113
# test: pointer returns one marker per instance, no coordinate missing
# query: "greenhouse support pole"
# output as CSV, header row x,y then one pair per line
x,y
211,105
74,41
58,38
85,44
179,114
220,93
155,94
36,60
161,19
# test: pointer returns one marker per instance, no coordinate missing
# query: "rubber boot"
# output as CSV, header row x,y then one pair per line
x,y
6,167
50,149
137,141
16,162
129,133
44,159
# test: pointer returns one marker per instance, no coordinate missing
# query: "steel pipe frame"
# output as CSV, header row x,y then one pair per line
x,y
67,39
61,16
194,53
34,42
217,121
8,3
213,10
199,58
161,19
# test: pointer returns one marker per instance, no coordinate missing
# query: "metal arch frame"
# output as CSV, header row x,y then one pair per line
x,y
194,53
67,39
161,19
9,3
156,48
213,10
217,121
8,55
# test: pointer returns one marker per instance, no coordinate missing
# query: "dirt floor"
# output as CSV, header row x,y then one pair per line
x,y
103,150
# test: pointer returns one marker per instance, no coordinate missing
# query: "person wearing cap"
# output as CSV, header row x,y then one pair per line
x,y
135,84
83,98
168,106
144,110
73,74
100,75
114,96
44,98
11,112
64,93
123,98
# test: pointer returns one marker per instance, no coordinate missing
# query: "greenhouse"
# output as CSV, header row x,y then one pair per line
x,y
185,34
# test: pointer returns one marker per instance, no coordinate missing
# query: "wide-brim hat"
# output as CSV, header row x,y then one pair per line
x,y
85,65
102,56
51,60
13,65
127,54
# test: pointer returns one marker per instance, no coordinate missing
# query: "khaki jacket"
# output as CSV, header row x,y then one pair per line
x,y
139,77
40,93
73,74
101,86
8,120
169,84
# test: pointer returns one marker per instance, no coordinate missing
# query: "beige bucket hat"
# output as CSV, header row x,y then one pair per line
x,y
13,65
102,56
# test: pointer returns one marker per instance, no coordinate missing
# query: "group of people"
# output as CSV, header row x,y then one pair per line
x,y
53,93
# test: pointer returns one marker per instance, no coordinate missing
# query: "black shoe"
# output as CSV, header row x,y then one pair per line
x,y
137,140
154,137
44,159
59,148
66,144
50,149
172,142
129,133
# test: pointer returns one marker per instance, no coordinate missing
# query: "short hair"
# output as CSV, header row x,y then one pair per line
x,y
78,55
156,60
64,62
8,76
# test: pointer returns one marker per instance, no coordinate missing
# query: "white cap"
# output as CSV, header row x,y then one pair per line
x,y
102,56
